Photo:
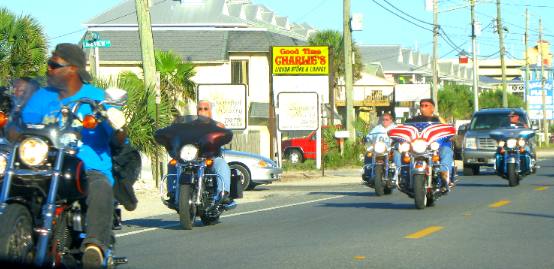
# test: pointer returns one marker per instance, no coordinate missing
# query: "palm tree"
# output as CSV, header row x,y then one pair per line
x,y
22,47
176,77
334,40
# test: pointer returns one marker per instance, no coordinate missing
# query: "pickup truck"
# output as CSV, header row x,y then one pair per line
x,y
297,150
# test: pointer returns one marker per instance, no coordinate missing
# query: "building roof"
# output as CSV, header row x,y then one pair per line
x,y
205,13
193,45
393,58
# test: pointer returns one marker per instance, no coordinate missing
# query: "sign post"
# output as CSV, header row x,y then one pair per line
x,y
94,42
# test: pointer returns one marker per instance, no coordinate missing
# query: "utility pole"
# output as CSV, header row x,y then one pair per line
x,y
475,66
435,54
347,32
543,90
148,62
500,30
526,81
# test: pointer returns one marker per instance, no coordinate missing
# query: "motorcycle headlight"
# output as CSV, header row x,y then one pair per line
x,y
380,147
521,143
419,146
404,147
3,163
511,143
501,144
33,151
435,146
188,152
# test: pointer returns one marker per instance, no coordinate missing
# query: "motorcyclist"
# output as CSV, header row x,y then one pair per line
x,y
446,154
220,166
69,81
386,122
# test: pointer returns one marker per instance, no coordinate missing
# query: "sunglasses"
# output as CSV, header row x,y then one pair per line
x,y
425,105
56,65
203,108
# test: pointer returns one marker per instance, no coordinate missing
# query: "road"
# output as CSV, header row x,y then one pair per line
x,y
483,223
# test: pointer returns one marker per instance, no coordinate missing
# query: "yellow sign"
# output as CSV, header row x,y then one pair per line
x,y
310,60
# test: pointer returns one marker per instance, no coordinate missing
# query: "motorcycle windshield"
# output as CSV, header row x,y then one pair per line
x,y
197,130
428,131
506,133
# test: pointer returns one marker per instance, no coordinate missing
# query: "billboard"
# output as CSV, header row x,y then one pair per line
x,y
300,60
298,111
535,102
229,103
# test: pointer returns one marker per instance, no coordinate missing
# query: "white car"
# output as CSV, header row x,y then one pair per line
x,y
253,168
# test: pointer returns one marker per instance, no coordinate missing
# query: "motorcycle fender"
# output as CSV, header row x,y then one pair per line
x,y
420,168
511,159
186,178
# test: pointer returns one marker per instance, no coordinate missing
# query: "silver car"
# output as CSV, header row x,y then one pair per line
x,y
255,169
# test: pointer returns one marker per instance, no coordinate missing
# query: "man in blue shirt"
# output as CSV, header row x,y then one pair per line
x,y
67,82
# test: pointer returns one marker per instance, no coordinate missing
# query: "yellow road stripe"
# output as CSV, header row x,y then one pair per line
x,y
499,203
543,188
425,232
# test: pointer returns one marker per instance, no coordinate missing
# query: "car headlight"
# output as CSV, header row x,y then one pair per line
x,y
380,147
511,143
470,143
188,152
521,142
404,147
262,163
3,163
33,151
419,146
435,146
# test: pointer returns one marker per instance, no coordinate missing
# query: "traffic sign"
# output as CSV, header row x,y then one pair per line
x,y
97,43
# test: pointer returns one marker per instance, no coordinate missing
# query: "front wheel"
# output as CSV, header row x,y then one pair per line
x,y
16,238
187,209
420,196
513,179
378,181
295,156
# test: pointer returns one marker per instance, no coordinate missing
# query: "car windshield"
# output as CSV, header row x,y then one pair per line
x,y
492,121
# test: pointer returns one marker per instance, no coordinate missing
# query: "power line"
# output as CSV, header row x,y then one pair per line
x,y
394,13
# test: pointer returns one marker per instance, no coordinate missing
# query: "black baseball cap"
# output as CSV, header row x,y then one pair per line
x,y
74,55
428,100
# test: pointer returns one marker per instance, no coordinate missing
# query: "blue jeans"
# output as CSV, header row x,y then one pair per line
x,y
447,158
221,168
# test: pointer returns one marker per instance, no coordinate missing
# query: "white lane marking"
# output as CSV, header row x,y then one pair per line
x,y
236,214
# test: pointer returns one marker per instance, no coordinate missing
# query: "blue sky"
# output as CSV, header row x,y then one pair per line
x,y
62,20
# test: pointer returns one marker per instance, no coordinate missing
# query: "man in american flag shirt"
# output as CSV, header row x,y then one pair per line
x,y
427,117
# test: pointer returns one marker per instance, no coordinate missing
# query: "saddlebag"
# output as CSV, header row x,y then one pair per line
x,y
236,185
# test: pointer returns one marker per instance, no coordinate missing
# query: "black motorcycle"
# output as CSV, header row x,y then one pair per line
x,y
193,142
44,188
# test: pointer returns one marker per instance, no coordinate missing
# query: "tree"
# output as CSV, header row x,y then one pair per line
x,y
334,40
176,77
22,47
493,98
455,102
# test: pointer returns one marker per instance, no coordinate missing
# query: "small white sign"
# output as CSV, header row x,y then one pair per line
x,y
298,111
229,103
342,134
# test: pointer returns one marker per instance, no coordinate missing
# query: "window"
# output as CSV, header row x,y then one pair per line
x,y
239,72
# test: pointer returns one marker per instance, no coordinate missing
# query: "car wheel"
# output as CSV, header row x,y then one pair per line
x,y
245,178
295,156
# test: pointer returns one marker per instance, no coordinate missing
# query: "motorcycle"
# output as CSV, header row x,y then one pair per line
x,y
514,160
42,201
193,142
379,167
418,144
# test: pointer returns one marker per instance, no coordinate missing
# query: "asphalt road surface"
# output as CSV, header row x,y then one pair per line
x,y
483,223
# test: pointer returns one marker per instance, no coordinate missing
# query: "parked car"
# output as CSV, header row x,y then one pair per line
x,y
478,147
299,149
254,168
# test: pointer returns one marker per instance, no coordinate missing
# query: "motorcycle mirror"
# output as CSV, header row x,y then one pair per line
x,y
116,96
